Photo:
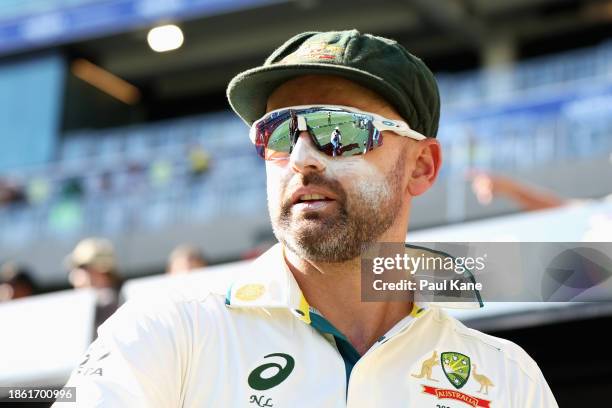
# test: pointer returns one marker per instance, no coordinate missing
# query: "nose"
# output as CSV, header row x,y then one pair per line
x,y
305,157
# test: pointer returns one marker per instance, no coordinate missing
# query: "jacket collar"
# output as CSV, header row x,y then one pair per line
x,y
268,283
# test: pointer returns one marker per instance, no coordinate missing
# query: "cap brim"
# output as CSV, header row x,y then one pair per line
x,y
248,92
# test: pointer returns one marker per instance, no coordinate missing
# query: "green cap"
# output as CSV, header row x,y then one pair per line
x,y
377,63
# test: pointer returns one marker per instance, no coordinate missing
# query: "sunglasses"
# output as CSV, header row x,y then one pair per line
x,y
334,130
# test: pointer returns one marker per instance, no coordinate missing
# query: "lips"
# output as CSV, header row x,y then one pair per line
x,y
312,205
310,196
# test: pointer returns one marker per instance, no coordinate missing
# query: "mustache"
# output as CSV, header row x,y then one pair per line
x,y
313,180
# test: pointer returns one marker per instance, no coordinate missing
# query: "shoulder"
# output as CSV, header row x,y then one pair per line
x,y
175,301
512,356
173,313
513,376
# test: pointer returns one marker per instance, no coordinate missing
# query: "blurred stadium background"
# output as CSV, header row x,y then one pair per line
x,y
100,135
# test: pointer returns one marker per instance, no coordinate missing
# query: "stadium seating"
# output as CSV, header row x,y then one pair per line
x,y
542,111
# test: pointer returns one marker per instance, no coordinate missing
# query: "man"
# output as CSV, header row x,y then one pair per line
x,y
15,282
92,264
293,330
488,186
184,259
336,141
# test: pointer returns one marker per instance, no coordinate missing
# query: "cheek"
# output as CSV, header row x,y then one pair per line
x,y
274,182
360,178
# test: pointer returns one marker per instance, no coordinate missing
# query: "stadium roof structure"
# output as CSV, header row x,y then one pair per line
x,y
223,38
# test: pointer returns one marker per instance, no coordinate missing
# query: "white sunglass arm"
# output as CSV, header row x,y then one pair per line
x,y
399,127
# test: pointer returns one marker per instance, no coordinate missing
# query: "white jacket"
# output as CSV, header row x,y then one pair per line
x,y
256,347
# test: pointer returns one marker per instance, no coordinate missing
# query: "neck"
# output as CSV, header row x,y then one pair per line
x,y
335,290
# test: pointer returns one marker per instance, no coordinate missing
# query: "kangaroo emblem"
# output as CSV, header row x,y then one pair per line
x,y
427,366
483,380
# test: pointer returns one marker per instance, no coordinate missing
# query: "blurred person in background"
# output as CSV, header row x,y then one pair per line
x,y
135,176
104,183
11,193
487,187
199,161
38,190
257,250
72,188
15,281
184,259
92,264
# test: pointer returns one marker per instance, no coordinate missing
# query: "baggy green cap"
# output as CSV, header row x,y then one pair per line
x,y
377,63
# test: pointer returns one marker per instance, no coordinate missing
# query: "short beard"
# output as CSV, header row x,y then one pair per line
x,y
360,221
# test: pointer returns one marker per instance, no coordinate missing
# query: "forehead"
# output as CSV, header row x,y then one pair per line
x,y
330,90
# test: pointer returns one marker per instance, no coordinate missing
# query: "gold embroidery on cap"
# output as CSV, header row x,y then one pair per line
x,y
315,52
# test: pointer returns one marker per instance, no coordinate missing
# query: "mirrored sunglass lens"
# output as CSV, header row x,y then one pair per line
x,y
279,138
353,130
274,141
279,142
272,136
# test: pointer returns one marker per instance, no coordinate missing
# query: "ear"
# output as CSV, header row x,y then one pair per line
x,y
427,158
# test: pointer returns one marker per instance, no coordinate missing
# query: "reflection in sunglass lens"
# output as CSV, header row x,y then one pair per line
x,y
334,132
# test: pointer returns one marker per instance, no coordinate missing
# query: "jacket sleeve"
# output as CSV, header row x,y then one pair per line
x,y
532,390
138,359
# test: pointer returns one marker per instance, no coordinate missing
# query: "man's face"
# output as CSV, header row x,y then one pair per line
x,y
362,194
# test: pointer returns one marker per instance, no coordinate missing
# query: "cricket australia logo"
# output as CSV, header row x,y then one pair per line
x,y
456,367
